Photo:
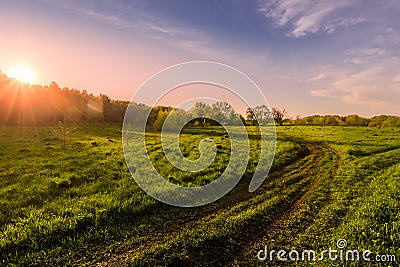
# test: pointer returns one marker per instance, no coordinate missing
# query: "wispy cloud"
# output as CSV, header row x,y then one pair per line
x,y
319,77
389,37
130,15
162,30
113,12
374,85
308,16
181,37
348,22
364,55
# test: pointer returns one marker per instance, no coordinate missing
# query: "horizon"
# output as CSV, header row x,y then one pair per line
x,y
189,104
327,58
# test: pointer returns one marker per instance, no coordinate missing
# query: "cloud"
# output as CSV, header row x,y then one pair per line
x,y
113,12
364,55
348,22
130,15
308,16
369,51
319,77
388,37
309,23
375,85
163,30
112,19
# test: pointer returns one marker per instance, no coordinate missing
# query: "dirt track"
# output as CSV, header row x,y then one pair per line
x,y
303,174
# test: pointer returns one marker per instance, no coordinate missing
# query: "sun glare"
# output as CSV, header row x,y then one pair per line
x,y
22,74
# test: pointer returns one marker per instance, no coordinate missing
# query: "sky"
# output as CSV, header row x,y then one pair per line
x,y
310,57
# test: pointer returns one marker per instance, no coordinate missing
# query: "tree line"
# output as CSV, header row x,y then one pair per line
x,y
26,104
200,115
350,120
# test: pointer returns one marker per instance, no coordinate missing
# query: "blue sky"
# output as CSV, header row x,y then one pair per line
x,y
310,57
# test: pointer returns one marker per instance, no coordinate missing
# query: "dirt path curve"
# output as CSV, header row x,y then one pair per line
x,y
285,216
305,170
326,159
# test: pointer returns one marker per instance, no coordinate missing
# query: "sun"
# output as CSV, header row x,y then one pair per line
x,y
22,74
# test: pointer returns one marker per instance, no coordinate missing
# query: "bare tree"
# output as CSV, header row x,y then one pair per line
x,y
278,115
297,121
63,130
263,115
250,116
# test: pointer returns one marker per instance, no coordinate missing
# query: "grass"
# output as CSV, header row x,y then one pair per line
x,y
80,206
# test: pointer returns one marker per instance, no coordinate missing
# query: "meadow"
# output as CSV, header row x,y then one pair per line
x,y
81,206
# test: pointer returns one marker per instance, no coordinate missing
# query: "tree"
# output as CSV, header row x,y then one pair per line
x,y
201,111
263,114
250,116
297,121
176,120
330,120
278,115
158,124
225,113
242,119
63,130
391,121
355,120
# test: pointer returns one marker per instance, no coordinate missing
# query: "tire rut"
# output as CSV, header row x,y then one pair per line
x,y
316,153
277,227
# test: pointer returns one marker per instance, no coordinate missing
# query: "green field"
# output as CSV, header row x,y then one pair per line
x,y
81,206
